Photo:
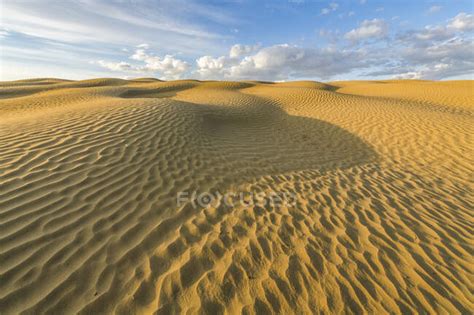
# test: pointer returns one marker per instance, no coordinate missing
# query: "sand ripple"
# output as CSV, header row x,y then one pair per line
x,y
90,171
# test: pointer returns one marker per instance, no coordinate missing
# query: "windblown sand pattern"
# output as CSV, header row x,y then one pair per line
x,y
90,171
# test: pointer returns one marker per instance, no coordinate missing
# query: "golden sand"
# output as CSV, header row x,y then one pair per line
x,y
382,172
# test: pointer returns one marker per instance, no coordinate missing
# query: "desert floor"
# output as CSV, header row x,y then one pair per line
x,y
381,173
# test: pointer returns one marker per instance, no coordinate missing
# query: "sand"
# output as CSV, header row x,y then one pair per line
x,y
381,173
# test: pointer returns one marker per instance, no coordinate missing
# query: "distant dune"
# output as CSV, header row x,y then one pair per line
x,y
100,208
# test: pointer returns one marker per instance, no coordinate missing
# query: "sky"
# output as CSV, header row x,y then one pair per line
x,y
237,39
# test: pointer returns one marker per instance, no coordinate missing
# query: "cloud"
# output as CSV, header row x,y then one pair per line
x,y
434,9
116,66
462,22
177,24
427,34
241,50
376,28
329,33
139,55
434,52
168,67
209,67
193,38
331,7
435,71
325,11
451,51
3,33
143,46
416,75
282,62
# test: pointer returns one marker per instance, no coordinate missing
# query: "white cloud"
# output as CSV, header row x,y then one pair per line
x,y
434,72
115,66
333,35
143,46
282,62
376,28
68,37
331,7
414,75
3,33
462,22
209,67
434,52
113,22
140,55
434,9
450,51
241,50
208,62
426,34
168,67
325,11
363,1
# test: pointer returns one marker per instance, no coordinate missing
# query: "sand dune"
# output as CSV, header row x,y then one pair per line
x,y
381,174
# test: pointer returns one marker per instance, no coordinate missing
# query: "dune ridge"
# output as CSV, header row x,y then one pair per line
x,y
381,173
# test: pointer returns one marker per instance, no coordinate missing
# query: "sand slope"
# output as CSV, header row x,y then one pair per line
x,y
382,173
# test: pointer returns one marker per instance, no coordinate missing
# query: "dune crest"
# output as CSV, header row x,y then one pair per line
x,y
380,172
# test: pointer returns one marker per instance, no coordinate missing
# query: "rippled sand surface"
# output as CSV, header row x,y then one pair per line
x,y
381,173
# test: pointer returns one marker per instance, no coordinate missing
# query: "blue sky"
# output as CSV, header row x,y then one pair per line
x,y
235,40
